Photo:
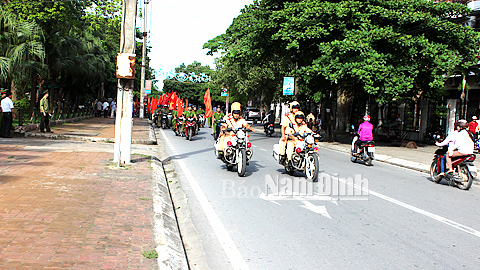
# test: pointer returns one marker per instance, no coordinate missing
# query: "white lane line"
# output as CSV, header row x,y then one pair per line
x,y
262,149
223,237
418,210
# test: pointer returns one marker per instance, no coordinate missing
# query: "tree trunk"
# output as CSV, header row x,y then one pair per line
x,y
16,95
344,102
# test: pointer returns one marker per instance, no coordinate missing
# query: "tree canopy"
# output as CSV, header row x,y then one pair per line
x,y
387,48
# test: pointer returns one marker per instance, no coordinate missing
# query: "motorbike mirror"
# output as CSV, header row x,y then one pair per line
x,y
290,125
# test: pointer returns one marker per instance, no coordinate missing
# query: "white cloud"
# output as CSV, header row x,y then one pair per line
x,y
178,29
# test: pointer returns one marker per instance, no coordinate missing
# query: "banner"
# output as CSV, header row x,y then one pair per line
x,y
288,86
208,104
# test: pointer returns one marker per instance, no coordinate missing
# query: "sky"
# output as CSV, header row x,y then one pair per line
x,y
178,29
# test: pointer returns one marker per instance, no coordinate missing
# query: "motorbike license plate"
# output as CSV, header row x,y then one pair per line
x,y
371,149
472,167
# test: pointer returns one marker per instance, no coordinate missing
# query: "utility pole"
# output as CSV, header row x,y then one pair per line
x,y
123,120
144,53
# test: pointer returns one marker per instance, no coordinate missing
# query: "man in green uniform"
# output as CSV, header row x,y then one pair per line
x,y
44,114
174,119
217,116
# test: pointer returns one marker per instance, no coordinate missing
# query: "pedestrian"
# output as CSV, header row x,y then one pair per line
x,y
99,108
44,114
473,125
8,113
113,108
105,108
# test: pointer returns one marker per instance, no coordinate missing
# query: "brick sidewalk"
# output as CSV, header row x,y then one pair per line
x,y
101,128
73,210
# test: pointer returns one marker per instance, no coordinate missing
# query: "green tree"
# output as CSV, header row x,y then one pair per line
x,y
20,51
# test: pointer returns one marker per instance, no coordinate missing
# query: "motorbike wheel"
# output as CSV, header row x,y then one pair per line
x,y
311,167
368,159
352,157
241,162
189,134
289,170
434,174
466,177
163,125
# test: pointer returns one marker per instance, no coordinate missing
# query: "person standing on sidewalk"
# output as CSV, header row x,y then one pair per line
x,y
105,108
99,108
8,113
44,114
113,108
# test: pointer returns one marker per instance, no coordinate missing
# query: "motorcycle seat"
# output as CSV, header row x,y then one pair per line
x,y
463,157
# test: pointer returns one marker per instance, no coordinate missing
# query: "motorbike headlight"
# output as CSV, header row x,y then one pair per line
x,y
241,134
300,145
310,139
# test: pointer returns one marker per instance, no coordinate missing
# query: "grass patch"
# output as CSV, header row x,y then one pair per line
x,y
11,157
150,254
145,199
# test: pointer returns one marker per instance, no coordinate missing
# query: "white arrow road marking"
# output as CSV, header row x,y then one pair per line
x,y
228,246
319,209
263,196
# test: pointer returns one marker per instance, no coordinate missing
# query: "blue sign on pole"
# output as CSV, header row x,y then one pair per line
x,y
224,92
288,86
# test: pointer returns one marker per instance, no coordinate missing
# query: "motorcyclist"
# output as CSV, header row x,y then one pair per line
x,y
365,132
460,143
234,121
287,119
189,113
156,113
269,119
299,126
217,115
174,119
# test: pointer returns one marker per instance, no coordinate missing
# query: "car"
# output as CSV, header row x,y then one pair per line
x,y
253,114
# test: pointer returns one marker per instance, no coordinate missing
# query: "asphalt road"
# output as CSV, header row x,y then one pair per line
x,y
398,219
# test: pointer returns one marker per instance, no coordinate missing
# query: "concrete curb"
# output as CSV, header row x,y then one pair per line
x,y
384,158
169,245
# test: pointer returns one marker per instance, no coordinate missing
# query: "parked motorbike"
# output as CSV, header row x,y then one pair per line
x,y
189,129
435,136
269,129
464,169
476,145
238,151
304,157
366,152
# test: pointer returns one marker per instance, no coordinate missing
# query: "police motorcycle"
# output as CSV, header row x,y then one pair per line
x,y
238,151
366,151
189,130
304,157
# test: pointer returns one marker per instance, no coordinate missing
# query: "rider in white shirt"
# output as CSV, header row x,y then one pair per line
x,y
459,143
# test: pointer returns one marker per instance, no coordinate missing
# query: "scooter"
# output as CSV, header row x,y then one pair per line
x,y
190,128
178,127
464,169
366,152
164,121
269,129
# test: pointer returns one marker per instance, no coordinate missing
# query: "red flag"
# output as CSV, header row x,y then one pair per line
x,y
173,102
186,103
208,104
179,107
164,99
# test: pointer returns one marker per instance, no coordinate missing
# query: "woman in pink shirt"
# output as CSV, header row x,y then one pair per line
x,y
365,130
